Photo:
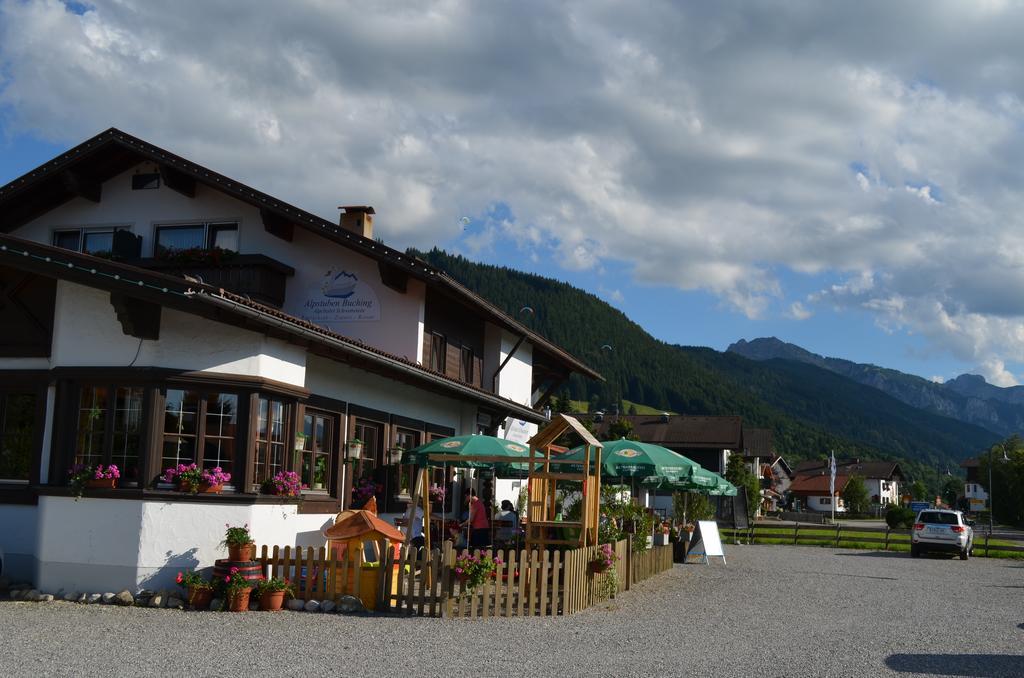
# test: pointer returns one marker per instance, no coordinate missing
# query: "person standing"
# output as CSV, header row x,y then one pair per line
x,y
479,524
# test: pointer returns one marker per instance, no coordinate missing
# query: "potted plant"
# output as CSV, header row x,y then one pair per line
x,y
240,544
272,593
284,484
320,473
364,489
200,591
355,449
604,559
437,494
395,455
300,441
236,590
81,476
472,570
214,480
188,477
104,478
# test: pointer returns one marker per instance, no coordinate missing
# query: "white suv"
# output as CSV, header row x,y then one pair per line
x,y
942,530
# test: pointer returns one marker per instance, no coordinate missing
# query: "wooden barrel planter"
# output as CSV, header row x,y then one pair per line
x,y
251,570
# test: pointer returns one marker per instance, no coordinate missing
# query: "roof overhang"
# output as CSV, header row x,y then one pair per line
x,y
222,306
81,171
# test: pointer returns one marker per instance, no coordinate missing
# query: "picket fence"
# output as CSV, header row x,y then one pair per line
x,y
424,583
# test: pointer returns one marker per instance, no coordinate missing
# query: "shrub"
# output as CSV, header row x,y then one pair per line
x,y
900,516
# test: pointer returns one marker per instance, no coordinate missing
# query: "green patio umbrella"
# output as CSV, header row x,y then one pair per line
x,y
642,461
702,481
471,446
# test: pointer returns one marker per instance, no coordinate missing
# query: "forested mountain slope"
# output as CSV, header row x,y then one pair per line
x,y
811,410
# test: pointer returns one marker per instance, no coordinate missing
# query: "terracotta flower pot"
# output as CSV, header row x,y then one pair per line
x,y
199,597
272,601
598,566
206,488
241,552
184,486
101,483
238,600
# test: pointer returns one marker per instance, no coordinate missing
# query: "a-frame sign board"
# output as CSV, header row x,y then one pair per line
x,y
706,542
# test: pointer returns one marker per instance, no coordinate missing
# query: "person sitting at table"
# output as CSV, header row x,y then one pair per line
x,y
508,522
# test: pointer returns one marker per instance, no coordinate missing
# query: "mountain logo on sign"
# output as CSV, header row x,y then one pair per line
x,y
339,285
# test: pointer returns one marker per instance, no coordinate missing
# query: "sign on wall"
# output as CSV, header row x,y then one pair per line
x,y
341,297
518,430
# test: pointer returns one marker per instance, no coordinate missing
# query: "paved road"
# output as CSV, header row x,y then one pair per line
x,y
773,611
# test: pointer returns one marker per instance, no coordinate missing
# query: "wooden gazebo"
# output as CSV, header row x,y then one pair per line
x,y
544,476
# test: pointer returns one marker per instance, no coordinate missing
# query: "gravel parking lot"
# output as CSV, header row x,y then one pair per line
x,y
773,611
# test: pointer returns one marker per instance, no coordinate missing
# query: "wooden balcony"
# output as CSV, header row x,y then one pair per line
x,y
259,277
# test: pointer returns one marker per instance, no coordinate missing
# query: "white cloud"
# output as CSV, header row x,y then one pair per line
x,y
797,311
937,379
701,145
996,373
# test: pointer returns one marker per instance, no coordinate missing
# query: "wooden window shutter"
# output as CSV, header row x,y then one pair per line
x,y
451,363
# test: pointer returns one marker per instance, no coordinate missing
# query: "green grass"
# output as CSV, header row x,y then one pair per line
x,y
584,406
826,537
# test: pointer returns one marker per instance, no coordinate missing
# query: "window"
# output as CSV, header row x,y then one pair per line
x,y
318,450
271,426
109,429
87,240
17,433
466,365
826,501
372,435
145,181
438,350
223,235
200,427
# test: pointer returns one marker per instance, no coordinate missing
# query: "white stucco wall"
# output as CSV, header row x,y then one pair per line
x,y
515,381
815,504
398,329
86,333
18,530
335,380
101,545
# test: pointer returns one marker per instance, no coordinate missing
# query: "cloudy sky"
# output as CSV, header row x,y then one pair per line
x,y
846,176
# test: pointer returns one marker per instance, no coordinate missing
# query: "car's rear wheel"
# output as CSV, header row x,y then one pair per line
x,y
965,554
914,551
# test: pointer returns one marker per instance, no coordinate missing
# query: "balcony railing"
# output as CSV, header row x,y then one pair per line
x,y
259,277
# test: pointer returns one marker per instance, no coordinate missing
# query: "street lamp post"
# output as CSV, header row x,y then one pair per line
x,y
991,463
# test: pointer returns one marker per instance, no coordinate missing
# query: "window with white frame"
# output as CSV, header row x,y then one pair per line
x,y
99,240
208,235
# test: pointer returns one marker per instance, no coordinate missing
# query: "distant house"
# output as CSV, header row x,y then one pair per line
x,y
812,490
974,491
706,440
771,469
882,478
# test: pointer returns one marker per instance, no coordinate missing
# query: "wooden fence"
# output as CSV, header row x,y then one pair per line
x,y
854,536
417,582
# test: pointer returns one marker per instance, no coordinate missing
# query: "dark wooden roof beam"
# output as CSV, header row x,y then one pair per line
x,y
277,225
81,186
138,318
392,276
176,180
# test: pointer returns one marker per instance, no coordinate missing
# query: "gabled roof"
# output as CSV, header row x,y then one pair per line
x,y
884,470
81,171
223,306
678,430
757,442
816,485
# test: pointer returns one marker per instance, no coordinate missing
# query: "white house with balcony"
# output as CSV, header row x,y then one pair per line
x,y
156,312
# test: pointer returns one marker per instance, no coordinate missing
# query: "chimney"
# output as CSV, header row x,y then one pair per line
x,y
358,219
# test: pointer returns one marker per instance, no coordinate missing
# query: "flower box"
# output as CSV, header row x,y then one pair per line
x,y
101,483
355,450
395,455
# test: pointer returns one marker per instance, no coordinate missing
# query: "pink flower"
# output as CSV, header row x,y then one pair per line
x,y
233,570
180,578
227,579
